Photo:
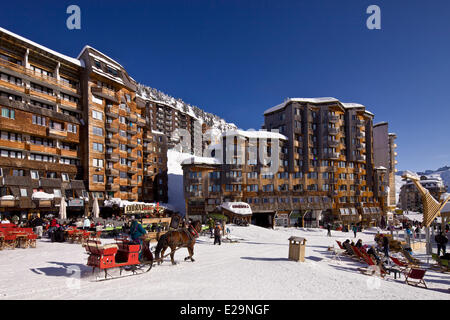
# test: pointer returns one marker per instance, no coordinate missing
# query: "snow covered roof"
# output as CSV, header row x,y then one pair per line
x,y
240,208
97,57
32,43
200,160
310,100
382,123
260,134
42,196
123,203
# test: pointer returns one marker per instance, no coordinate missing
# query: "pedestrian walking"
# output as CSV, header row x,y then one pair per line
x,y
329,230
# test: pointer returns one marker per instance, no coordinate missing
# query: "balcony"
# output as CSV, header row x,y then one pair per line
x,y
112,172
112,112
132,157
112,127
68,153
131,144
56,133
111,186
132,130
360,134
333,131
359,123
132,170
141,122
333,119
112,142
333,143
37,75
132,118
113,157
332,155
360,146
105,93
360,157
132,183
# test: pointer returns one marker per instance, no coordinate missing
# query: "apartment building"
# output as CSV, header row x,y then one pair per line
x,y
73,127
332,141
385,160
326,174
410,198
40,123
240,172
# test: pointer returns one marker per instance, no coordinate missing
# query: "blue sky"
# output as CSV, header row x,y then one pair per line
x,y
236,58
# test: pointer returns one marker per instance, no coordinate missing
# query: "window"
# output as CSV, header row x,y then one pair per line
x,y
23,193
57,193
97,100
18,173
39,120
98,147
97,115
97,163
97,131
8,113
72,128
67,97
98,178
34,174
11,154
42,89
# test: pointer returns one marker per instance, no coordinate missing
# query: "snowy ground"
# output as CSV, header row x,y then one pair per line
x,y
256,267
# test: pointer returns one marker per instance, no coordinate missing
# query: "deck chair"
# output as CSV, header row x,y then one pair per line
x,y
358,253
400,264
372,268
411,260
340,245
348,247
415,277
441,264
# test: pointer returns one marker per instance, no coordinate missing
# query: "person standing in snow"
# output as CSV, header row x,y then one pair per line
x,y
355,229
386,247
86,223
217,234
441,241
329,230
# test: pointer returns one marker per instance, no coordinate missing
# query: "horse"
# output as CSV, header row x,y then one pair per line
x,y
184,237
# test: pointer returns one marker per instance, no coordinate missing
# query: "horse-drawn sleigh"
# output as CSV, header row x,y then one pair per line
x,y
137,258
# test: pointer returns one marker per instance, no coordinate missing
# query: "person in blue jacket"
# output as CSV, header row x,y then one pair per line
x,y
136,232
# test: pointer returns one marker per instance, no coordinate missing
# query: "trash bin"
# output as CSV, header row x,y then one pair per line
x,y
297,249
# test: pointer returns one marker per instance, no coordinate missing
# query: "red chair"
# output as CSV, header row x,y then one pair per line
x,y
340,245
31,239
2,240
417,276
10,241
403,266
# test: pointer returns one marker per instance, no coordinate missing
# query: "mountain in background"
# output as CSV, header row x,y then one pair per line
x,y
443,172
212,120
